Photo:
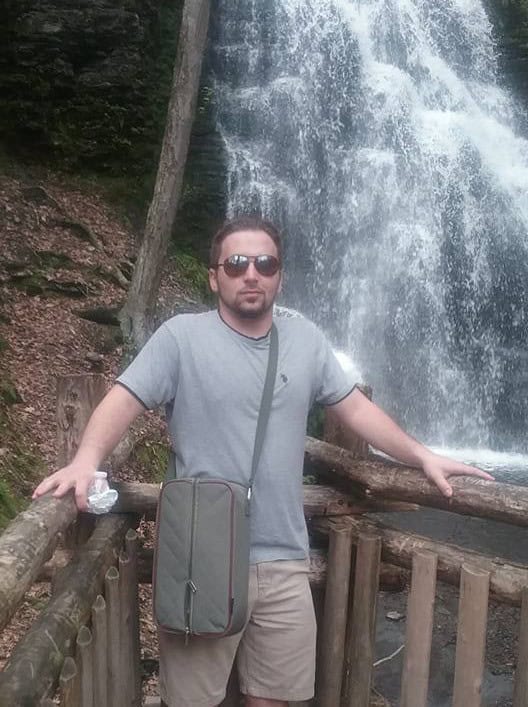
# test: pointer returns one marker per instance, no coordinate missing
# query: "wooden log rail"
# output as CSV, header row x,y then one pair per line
x,y
487,499
41,652
507,580
104,667
26,544
319,500
29,541
364,486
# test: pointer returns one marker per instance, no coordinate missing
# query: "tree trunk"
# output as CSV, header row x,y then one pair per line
x,y
139,308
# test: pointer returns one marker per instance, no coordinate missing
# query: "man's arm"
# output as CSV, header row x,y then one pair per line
x,y
366,419
108,423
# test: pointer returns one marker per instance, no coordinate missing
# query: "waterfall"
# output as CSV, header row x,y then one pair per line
x,y
375,133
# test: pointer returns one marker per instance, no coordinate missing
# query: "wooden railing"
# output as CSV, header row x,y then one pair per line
x,y
93,612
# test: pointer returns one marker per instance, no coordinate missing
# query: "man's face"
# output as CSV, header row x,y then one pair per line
x,y
250,295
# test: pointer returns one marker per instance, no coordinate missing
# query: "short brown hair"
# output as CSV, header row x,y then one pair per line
x,y
243,223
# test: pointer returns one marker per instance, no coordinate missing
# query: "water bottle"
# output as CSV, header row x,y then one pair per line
x,y
101,497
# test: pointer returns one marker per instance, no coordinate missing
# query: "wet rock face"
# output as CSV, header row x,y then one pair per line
x,y
74,72
510,24
84,85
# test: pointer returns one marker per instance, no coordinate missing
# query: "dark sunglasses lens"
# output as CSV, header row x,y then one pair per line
x,y
236,265
267,265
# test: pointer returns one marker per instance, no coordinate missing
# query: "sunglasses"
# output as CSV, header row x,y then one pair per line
x,y
236,265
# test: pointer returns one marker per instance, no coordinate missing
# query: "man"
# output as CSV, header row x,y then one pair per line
x,y
209,370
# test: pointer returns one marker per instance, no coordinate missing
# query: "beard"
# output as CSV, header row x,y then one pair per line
x,y
245,309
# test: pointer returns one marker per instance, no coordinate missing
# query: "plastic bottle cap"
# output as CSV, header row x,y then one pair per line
x,y
100,474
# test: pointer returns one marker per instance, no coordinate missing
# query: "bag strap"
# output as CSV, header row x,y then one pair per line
x,y
265,404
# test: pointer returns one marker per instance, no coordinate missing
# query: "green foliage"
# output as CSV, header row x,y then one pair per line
x,y
20,467
315,426
8,505
193,273
154,455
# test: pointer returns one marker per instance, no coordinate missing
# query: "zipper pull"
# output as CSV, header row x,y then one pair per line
x,y
248,501
187,635
192,586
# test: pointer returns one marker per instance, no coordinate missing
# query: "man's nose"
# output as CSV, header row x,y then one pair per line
x,y
252,272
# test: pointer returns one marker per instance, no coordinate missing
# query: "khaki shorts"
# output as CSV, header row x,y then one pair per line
x,y
276,649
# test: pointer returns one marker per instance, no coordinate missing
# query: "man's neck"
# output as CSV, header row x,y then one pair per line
x,y
254,328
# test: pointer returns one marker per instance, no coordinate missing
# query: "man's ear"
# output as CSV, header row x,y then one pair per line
x,y
280,282
213,282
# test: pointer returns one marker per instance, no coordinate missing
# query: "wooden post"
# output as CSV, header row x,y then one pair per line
x,y
115,687
132,550
330,669
69,684
85,663
362,624
419,632
520,692
127,589
100,652
506,580
336,434
77,397
471,637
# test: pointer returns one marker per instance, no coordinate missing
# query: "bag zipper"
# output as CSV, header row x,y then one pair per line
x,y
191,587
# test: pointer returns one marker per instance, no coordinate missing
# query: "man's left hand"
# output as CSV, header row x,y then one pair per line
x,y
438,469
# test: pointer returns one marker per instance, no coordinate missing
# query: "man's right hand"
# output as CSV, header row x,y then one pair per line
x,y
108,423
69,477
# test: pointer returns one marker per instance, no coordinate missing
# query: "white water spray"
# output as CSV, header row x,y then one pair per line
x,y
375,133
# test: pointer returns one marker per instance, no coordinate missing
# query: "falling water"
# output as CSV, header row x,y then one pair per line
x,y
375,132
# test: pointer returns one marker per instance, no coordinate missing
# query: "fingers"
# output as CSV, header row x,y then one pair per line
x,y
81,494
442,483
466,470
440,473
63,481
49,483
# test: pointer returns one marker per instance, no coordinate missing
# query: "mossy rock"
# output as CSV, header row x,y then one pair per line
x,y
37,283
50,260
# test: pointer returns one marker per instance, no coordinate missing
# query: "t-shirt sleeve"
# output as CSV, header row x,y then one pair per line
x,y
333,384
152,377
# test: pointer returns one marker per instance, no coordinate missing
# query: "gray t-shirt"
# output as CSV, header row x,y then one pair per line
x,y
210,377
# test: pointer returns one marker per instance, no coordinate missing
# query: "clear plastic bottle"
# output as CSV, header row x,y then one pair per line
x,y
101,497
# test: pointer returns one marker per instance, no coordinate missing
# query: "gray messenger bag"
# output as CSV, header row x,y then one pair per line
x,y
201,557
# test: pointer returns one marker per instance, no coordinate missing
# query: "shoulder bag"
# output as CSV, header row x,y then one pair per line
x,y
201,557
